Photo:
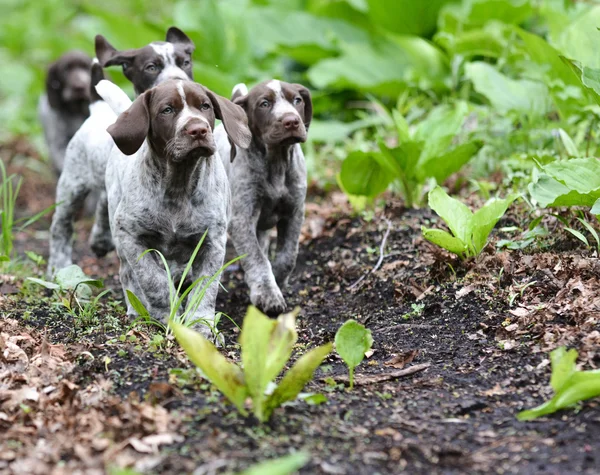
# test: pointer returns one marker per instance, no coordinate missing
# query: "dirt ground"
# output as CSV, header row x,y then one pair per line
x,y
85,397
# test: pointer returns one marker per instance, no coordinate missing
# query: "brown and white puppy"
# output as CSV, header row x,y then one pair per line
x,y
171,190
87,153
65,105
268,185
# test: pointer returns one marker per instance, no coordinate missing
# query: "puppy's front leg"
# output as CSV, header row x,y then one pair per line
x,y
213,256
100,237
288,234
264,292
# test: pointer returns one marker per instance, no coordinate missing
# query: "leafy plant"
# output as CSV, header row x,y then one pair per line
x,y
177,297
470,230
266,347
570,385
352,341
574,182
73,289
279,466
426,152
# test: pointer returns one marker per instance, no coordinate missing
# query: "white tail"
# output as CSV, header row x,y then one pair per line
x,y
114,96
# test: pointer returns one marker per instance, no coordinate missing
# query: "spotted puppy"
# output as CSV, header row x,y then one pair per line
x,y
87,153
171,190
66,103
268,185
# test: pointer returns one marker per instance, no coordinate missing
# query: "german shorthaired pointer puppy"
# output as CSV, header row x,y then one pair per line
x,y
268,185
87,153
66,103
170,190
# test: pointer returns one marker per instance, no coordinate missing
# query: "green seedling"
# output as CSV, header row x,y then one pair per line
x,y
570,385
352,341
182,303
470,230
280,466
266,347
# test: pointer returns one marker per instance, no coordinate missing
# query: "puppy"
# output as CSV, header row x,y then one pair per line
x,y
87,153
170,190
268,185
66,103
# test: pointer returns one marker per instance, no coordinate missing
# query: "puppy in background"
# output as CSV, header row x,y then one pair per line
x,y
268,185
65,105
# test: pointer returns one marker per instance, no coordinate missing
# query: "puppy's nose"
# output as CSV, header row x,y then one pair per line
x,y
198,131
291,122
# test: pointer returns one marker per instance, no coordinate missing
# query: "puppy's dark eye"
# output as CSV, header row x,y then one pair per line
x,y
167,110
264,104
205,106
151,68
186,63
297,100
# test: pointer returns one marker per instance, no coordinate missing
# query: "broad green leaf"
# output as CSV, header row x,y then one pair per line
x,y
4,258
282,340
226,376
71,276
563,366
588,77
406,16
578,235
596,208
296,378
480,12
489,41
484,220
445,240
579,39
279,466
401,126
352,340
454,213
442,124
570,386
358,203
137,304
506,94
44,283
362,174
441,167
401,160
568,143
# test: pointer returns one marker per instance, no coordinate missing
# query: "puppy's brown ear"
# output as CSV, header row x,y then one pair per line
x,y
104,50
54,86
132,126
234,119
308,107
241,100
175,35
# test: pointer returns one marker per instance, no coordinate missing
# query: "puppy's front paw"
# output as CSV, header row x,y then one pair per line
x,y
101,243
268,298
215,336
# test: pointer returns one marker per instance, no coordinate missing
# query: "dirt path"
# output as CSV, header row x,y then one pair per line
x,y
88,396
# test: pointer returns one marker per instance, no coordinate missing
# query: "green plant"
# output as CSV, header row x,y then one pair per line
x,y
177,297
266,347
279,466
470,230
73,289
424,153
570,385
352,341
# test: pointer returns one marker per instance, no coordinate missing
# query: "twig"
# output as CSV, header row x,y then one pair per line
x,y
364,380
381,255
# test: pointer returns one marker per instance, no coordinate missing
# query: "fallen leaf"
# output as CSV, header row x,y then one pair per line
x,y
402,359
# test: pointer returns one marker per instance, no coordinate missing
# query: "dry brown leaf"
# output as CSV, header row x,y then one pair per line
x,y
401,360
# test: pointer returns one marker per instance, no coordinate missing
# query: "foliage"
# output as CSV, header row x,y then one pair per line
x,y
266,347
569,384
192,296
279,466
470,230
73,290
425,152
352,341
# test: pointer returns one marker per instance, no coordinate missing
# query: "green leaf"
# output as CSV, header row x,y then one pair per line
x,y
296,378
484,220
568,143
579,38
362,174
440,127
445,240
506,94
570,386
588,77
352,340
4,258
596,208
441,167
137,304
226,376
578,235
71,276
279,466
454,213
406,16
44,283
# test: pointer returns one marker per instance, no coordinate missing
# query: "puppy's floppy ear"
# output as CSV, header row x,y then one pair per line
x,y
239,97
54,86
104,50
175,35
308,107
132,126
233,117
